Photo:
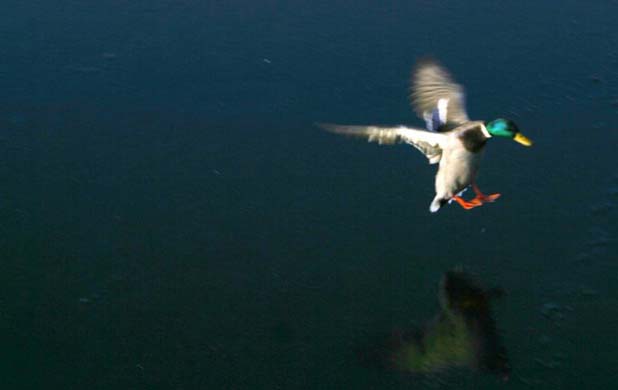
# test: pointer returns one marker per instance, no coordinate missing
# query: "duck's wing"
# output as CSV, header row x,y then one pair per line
x,y
434,93
430,144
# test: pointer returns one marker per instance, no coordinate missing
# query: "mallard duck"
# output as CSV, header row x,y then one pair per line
x,y
450,139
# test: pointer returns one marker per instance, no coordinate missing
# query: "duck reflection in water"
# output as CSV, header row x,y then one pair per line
x,y
463,334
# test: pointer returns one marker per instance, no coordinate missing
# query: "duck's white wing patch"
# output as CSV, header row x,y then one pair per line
x,y
430,144
433,88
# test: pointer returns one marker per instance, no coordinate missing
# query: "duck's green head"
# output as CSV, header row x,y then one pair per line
x,y
508,129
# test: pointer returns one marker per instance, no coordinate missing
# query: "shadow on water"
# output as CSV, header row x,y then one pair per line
x,y
462,335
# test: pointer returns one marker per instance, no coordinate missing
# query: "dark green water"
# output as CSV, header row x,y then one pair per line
x,y
170,217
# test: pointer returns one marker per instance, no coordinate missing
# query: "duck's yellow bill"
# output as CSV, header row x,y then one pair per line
x,y
522,139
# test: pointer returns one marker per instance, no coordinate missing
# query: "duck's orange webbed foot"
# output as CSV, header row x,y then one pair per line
x,y
482,197
478,200
467,204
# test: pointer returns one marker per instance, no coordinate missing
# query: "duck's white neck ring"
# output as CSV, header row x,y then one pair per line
x,y
485,132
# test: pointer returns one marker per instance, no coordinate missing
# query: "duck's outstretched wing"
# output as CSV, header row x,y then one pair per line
x,y
430,144
434,92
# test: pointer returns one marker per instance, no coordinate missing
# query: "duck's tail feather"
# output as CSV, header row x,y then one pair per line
x,y
437,203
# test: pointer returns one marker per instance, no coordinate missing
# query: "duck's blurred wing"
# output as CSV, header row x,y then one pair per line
x,y
435,96
430,144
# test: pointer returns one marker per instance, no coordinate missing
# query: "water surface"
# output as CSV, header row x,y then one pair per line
x,y
173,219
